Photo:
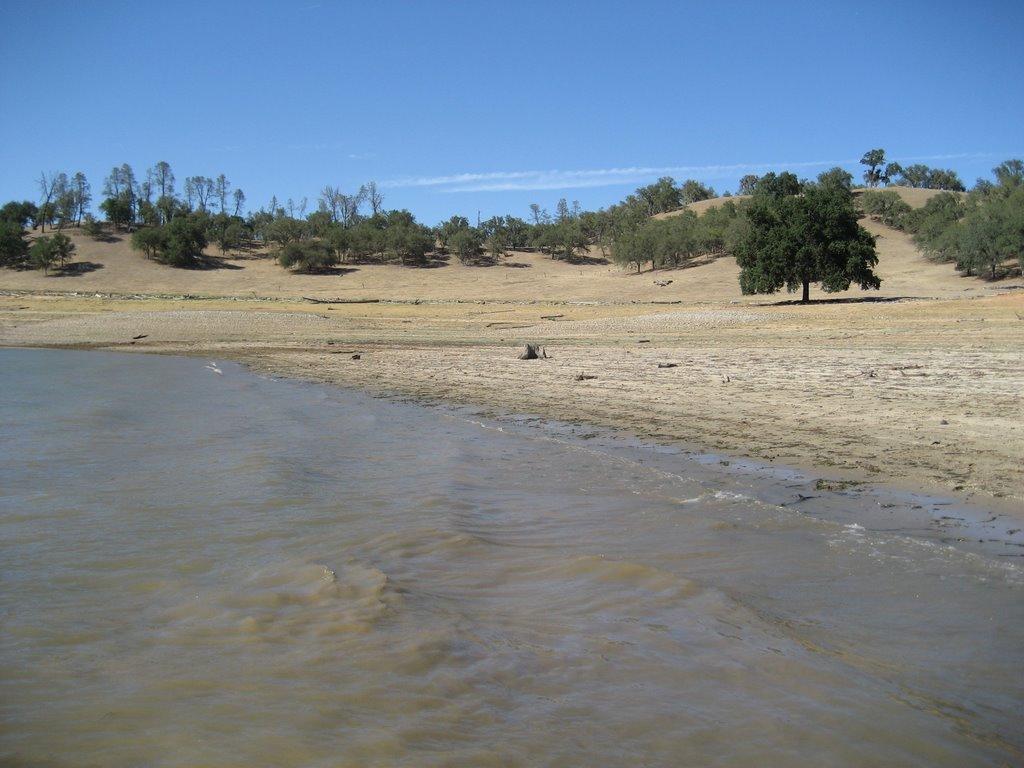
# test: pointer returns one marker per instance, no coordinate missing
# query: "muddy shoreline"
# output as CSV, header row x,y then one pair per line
x,y
987,526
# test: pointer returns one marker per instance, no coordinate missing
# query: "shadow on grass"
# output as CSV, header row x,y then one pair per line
x,y
431,261
844,300
587,261
207,263
1003,272
76,269
481,260
328,271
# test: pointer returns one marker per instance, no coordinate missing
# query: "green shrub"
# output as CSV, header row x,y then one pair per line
x,y
177,244
149,240
887,207
466,244
309,256
935,225
45,252
92,227
13,246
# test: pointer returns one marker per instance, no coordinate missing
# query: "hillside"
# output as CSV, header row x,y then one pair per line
x,y
904,270
912,196
113,267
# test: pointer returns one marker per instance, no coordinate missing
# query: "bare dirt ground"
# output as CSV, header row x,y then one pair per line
x,y
924,388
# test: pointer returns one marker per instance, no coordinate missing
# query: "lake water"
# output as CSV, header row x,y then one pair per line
x,y
203,567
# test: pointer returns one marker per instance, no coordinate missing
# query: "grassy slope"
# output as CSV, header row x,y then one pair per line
x,y
521,277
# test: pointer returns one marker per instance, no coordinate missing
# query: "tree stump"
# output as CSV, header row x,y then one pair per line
x,y
533,352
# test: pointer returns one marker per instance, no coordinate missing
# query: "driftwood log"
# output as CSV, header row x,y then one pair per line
x,y
341,301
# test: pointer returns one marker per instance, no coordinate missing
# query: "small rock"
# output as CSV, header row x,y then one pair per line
x,y
357,357
944,422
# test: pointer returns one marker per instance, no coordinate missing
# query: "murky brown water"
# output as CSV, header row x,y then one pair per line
x,y
205,568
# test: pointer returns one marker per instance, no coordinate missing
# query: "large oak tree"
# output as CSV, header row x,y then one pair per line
x,y
795,240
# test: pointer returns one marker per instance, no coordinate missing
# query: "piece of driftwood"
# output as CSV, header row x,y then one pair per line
x,y
140,336
341,301
668,365
585,377
533,352
550,317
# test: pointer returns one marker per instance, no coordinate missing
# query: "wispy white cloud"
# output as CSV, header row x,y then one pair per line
x,y
504,181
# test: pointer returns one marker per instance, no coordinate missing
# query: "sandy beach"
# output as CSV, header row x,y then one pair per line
x,y
918,384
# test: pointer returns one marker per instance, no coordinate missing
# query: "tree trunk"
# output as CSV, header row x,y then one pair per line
x,y
807,292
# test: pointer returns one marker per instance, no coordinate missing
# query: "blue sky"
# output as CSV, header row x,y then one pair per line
x,y
459,107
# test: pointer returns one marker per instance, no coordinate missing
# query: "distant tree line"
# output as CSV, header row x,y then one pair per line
x,y
879,171
167,227
785,232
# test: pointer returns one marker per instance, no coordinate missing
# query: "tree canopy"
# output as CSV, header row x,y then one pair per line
x,y
796,240
13,245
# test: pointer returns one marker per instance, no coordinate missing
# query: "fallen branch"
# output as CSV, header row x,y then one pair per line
x,y
341,301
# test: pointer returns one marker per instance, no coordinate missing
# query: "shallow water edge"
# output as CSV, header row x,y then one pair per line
x,y
970,521
237,569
